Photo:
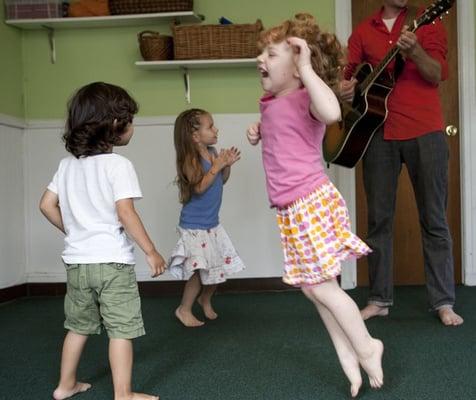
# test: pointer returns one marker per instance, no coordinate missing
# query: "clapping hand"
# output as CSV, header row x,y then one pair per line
x,y
226,158
232,156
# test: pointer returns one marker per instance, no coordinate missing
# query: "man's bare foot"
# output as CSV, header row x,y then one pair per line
x,y
137,396
351,368
207,309
373,310
372,364
187,318
448,317
65,393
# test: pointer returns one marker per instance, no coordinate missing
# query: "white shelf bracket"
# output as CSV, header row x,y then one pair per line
x,y
52,43
186,82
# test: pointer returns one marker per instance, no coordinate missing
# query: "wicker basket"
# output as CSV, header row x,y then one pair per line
x,y
154,46
28,9
216,41
120,7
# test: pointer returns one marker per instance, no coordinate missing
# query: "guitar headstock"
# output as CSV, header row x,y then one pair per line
x,y
434,11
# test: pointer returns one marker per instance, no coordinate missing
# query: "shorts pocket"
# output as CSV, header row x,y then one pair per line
x,y
125,272
72,275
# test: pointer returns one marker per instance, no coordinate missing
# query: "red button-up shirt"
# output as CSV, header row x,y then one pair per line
x,y
414,106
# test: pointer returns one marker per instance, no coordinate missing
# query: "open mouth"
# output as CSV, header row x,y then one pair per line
x,y
263,72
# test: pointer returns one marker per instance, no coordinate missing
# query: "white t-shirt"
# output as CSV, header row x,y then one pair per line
x,y
88,189
389,23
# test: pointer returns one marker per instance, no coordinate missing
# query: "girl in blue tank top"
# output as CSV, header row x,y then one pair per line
x,y
204,254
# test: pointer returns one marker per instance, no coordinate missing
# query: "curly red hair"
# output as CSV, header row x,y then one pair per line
x,y
327,56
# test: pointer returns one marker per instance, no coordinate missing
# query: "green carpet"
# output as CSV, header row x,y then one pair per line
x,y
263,346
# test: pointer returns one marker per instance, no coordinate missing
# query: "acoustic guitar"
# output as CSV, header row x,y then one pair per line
x,y
346,141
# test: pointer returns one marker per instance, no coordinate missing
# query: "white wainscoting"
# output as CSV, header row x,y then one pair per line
x,y
245,212
12,203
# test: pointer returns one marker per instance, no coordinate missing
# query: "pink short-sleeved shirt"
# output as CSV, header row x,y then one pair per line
x,y
291,147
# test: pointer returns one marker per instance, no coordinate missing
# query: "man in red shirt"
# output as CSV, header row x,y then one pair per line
x,y
412,134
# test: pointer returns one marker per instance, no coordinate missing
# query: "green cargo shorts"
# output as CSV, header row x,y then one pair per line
x,y
103,295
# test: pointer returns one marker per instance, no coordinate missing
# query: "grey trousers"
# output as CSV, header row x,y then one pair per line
x,y
426,158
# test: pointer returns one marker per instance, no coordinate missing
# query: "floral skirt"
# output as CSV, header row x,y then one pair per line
x,y
316,237
209,251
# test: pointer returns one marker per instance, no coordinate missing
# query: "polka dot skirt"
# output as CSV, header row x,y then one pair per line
x,y
316,237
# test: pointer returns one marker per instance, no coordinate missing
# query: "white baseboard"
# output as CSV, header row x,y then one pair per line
x,y
60,276
141,276
45,277
8,284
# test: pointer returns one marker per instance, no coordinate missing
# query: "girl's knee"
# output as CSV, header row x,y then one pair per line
x,y
312,294
322,291
307,291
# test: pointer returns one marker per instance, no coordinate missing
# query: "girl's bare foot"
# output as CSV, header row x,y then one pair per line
x,y
187,318
351,368
65,393
207,309
137,396
449,317
354,388
373,310
372,364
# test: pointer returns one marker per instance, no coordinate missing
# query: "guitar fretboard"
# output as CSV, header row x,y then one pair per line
x,y
431,13
380,67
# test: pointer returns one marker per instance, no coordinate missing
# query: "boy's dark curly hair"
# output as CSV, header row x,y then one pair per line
x,y
98,114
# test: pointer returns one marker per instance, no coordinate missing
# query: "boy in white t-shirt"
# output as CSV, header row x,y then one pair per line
x,y
91,200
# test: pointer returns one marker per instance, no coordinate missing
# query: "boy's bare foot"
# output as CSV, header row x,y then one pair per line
x,y
137,396
373,310
207,309
64,393
351,368
372,364
448,317
187,318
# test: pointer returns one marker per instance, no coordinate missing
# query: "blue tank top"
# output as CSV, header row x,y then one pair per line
x,y
201,211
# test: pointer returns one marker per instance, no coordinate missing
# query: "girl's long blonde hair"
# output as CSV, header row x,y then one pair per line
x,y
327,57
189,168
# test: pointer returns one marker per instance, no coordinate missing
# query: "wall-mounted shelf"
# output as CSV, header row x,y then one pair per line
x,y
185,65
104,21
197,64
109,21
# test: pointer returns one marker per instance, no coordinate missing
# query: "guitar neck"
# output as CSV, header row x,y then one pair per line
x,y
380,67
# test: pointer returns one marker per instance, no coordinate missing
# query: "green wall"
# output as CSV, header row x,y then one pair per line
x,y
11,90
108,54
